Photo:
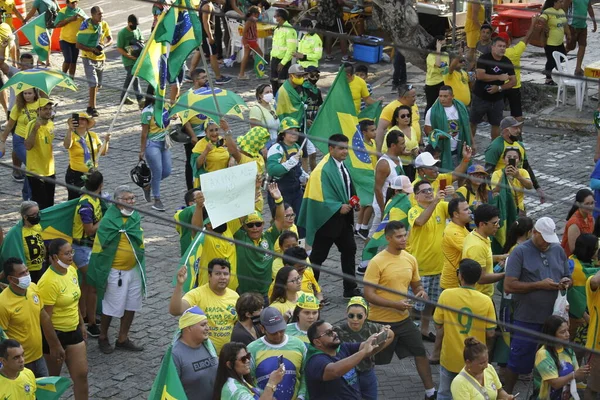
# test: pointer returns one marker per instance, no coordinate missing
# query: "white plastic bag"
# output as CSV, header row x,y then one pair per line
x,y
561,305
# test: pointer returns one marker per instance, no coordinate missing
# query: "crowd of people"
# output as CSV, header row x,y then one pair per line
x,y
442,233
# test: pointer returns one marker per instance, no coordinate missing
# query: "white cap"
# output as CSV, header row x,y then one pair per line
x,y
425,160
402,183
546,227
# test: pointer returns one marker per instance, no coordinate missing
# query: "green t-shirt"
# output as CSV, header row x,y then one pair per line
x,y
579,12
494,154
44,5
347,335
155,132
254,267
124,42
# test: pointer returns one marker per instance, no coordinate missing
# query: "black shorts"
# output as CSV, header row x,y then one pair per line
x,y
492,109
513,96
407,342
281,75
66,339
209,49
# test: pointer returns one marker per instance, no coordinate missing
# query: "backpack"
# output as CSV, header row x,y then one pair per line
x,y
50,17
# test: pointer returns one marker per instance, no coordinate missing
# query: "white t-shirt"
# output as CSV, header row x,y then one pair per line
x,y
452,128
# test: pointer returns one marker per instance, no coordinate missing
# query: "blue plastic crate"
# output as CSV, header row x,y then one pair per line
x,y
368,52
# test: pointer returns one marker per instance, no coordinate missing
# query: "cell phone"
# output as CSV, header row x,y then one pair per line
x,y
75,119
302,243
512,162
443,184
280,359
381,337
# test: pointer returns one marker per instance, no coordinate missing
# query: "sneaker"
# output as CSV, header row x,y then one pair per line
x,y
128,345
128,101
348,60
363,234
352,292
356,10
93,331
432,397
329,58
223,79
362,268
105,346
158,205
243,77
18,177
92,111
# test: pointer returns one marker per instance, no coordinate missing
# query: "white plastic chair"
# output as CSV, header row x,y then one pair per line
x,y
235,39
562,64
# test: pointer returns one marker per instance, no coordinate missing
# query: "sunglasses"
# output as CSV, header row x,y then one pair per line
x,y
290,215
430,190
495,223
254,224
404,116
405,90
356,316
245,358
328,332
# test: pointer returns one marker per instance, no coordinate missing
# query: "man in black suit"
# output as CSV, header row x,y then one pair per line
x,y
339,228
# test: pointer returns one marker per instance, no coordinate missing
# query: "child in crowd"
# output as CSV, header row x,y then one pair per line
x,y
250,38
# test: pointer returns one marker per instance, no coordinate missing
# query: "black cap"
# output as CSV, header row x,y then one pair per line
x,y
311,68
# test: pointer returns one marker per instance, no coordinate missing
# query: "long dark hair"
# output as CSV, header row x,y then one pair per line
x,y
586,247
518,228
228,353
395,116
580,197
280,284
548,4
482,190
551,326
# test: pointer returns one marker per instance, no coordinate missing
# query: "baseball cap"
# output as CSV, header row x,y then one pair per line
x,y
504,36
288,123
44,102
296,69
311,68
546,227
425,160
509,122
402,182
477,169
272,320
254,217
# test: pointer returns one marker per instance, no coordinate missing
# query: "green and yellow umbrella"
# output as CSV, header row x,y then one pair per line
x,y
201,101
39,78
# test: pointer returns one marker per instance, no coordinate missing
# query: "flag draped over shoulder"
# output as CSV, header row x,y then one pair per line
x,y
38,35
338,115
323,197
401,204
106,244
181,30
290,103
167,385
260,64
439,120
51,387
508,214
191,260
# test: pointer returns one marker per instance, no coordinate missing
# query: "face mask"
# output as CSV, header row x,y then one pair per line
x,y
298,81
313,81
133,27
126,213
62,264
24,282
34,220
268,97
255,319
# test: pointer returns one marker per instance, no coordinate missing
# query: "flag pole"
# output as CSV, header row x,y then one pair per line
x,y
210,83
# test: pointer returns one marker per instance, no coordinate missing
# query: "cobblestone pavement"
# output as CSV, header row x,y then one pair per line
x,y
561,161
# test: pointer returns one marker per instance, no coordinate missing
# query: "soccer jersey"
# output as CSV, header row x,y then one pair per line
x,y
265,360
494,154
425,241
516,187
155,132
556,21
62,292
358,89
514,54
395,272
216,159
9,8
452,248
458,327
464,389
433,75
88,211
21,388
235,390
294,330
220,311
92,35
125,37
435,184
546,370
68,32
23,117
283,307
593,305
20,320
215,247
458,80
40,159
254,264
79,159
33,246
309,282
479,248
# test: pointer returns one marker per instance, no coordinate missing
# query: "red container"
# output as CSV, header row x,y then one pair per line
x,y
521,20
20,5
517,6
55,42
502,26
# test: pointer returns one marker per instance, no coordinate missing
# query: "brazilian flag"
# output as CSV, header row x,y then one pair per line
x,y
260,64
167,385
505,202
51,387
191,259
38,35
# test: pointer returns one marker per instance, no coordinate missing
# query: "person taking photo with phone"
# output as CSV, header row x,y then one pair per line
x,y
518,178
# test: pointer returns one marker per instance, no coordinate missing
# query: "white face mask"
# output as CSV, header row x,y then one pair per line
x,y
62,264
126,213
24,282
268,97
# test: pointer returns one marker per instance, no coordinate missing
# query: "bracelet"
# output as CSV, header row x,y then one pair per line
x,y
466,160
271,386
279,200
229,132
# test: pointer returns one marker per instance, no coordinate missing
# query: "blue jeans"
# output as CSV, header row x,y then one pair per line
x,y
159,161
368,384
446,378
19,149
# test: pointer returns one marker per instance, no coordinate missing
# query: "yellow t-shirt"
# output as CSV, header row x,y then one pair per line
x,y
88,28
593,305
409,143
216,159
388,113
435,185
395,272
8,6
452,247
260,162
479,248
68,32
33,246
62,292
515,186
463,389
284,307
459,82
20,320
124,257
424,242
433,76
220,311
514,55
458,327
372,149
76,153
40,159
22,388
220,248
556,25
469,26
277,248
23,117
359,90
309,282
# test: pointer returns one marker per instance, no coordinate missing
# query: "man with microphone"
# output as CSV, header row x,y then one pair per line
x,y
327,211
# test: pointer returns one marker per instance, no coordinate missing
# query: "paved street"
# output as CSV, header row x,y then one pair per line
x,y
562,162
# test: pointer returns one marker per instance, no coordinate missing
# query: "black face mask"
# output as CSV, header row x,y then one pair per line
x,y
313,81
221,228
133,27
255,319
513,138
34,220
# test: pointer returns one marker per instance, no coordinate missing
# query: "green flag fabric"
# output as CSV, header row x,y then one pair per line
x,y
185,234
38,35
167,385
106,244
260,64
191,259
508,213
51,387
371,112
439,120
182,30
290,103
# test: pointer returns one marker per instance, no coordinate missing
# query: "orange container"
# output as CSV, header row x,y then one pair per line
x,y
20,6
55,45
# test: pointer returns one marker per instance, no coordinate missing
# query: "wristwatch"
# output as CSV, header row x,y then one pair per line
x,y
272,387
499,88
